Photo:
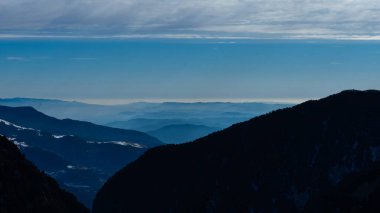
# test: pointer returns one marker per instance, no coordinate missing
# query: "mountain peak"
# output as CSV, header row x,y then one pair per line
x,y
355,93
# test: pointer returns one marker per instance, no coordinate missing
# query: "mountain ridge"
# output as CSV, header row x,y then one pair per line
x,y
106,114
282,161
30,117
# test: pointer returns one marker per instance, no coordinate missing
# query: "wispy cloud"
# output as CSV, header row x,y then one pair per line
x,y
83,59
23,58
338,19
15,58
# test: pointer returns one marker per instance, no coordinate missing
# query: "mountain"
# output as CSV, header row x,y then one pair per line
x,y
151,116
319,156
23,188
31,118
181,133
79,155
147,124
68,109
151,124
218,114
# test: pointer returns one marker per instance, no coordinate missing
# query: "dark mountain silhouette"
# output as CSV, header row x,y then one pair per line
x,y
29,117
319,156
80,165
24,189
181,133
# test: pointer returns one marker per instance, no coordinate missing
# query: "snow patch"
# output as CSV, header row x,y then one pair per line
x,y
19,128
19,144
77,167
73,185
14,125
58,136
121,143
55,174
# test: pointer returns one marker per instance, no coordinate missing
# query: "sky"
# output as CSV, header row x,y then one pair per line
x,y
338,19
119,51
113,71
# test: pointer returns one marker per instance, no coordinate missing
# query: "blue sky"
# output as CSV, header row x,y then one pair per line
x,y
117,71
117,51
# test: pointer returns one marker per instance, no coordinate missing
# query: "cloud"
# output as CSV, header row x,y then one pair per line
x,y
23,58
83,59
15,58
204,18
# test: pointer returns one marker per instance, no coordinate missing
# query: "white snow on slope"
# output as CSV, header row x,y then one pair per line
x,y
121,143
20,128
14,125
19,144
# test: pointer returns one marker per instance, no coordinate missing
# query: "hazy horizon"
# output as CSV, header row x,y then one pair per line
x,y
131,101
120,71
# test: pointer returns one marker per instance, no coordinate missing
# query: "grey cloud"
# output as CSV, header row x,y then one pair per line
x,y
204,17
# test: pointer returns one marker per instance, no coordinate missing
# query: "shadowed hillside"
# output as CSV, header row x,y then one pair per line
x,y
319,156
23,188
79,155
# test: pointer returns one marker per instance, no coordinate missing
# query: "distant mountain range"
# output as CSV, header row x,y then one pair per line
x,y
23,188
67,109
79,155
319,156
148,116
151,124
158,119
